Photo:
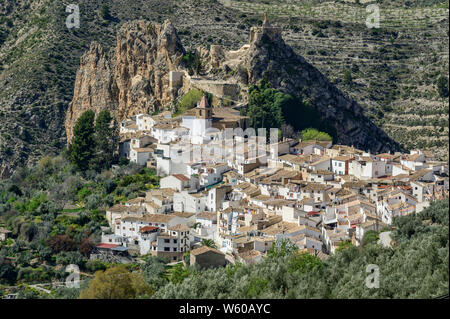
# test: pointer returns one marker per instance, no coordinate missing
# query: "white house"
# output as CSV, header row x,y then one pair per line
x,y
189,202
339,165
179,182
140,155
367,168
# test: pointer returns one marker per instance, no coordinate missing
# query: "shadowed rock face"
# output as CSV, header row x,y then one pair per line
x,y
135,78
269,57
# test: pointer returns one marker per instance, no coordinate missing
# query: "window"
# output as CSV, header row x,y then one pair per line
x,y
174,257
167,241
174,248
174,241
166,248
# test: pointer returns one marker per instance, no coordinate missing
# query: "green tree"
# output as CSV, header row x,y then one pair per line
x,y
208,243
106,141
369,237
310,134
442,86
192,62
116,283
348,79
177,273
82,149
104,12
270,108
344,245
281,248
303,262
265,106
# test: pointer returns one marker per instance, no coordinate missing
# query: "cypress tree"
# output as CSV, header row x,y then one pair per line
x,y
83,144
106,141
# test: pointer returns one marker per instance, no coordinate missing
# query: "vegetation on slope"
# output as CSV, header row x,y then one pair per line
x,y
270,108
55,214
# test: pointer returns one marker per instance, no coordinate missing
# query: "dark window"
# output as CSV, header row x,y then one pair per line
x,y
166,241
166,248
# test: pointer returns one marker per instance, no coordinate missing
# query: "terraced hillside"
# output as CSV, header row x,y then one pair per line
x,y
391,71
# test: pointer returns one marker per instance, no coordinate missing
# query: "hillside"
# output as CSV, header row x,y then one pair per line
x,y
394,69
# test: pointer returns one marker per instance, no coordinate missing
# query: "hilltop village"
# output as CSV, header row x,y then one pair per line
x,y
317,195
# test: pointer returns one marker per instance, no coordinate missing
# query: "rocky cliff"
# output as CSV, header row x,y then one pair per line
x,y
270,57
133,78
136,78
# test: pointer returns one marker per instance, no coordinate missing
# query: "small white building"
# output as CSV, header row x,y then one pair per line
x,y
179,182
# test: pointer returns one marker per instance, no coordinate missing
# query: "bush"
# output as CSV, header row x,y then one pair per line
x,y
61,243
189,100
311,134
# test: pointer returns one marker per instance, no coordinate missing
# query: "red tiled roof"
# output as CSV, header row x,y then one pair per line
x,y
204,102
147,228
181,177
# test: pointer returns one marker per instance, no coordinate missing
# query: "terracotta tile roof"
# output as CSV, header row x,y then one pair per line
x,y
206,215
157,218
181,177
180,227
203,103
205,249
148,229
342,158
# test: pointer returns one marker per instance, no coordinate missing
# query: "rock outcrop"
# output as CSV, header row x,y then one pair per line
x,y
271,58
133,79
94,87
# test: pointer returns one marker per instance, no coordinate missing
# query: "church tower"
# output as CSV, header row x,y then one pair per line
x,y
203,110
202,121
